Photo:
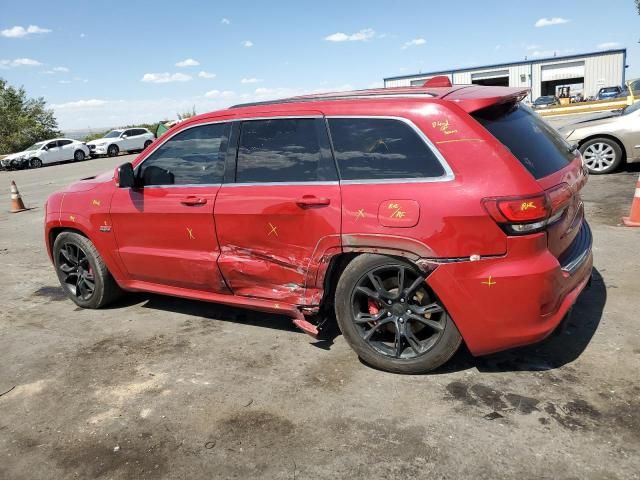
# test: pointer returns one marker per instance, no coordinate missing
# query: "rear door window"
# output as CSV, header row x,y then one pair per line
x,y
538,147
282,150
377,148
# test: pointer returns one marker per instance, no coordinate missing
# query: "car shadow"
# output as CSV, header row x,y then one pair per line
x,y
206,310
562,347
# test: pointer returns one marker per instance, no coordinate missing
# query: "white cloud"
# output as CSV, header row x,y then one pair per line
x,y
61,69
19,62
607,45
64,81
533,47
165,77
251,80
413,43
206,75
219,94
551,53
545,22
360,36
20,32
225,21
189,62
247,44
94,102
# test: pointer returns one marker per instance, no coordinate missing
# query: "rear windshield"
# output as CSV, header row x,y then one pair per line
x,y
538,146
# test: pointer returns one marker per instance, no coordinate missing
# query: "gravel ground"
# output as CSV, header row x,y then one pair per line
x,y
158,387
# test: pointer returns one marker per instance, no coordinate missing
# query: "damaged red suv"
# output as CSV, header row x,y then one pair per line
x,y
421,216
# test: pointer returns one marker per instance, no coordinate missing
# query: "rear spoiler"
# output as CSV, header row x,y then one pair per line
x,y
476,97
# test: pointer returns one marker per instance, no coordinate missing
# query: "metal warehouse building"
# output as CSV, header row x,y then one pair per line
x,y
585,73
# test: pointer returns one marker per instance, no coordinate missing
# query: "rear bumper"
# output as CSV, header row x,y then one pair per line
x,y
517,299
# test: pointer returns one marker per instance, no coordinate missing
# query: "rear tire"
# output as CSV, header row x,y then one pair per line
x,y
390,317
82,272
113,151
601,155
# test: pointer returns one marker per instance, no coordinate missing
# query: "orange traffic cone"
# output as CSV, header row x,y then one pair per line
x,y
16,200
633,220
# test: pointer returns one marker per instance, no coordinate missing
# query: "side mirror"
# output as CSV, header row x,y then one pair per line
x,y
125,178
125,136
45,148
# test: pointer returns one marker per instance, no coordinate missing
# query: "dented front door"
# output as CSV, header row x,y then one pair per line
x,y
282,212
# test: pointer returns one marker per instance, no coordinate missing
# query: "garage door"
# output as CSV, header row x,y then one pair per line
x,y
488,75
562,71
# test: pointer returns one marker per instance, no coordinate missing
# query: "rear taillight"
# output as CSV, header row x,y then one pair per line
x,y
529,214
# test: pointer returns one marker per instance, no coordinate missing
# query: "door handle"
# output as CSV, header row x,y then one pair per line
x,y
193,201
307,201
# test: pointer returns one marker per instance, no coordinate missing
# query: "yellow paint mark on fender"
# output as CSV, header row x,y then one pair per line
x,y
190,232
359,214
273,230
443,126
72,218
95,202
488,282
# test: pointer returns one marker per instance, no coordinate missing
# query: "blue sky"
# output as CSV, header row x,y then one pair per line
x,y
102,64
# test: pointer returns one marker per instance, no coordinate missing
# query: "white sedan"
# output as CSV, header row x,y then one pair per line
x,y
117,141
46,152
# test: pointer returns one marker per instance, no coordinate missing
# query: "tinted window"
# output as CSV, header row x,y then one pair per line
x,y
283,150
139,131
193,156
375,148
62,143
537,145
53,144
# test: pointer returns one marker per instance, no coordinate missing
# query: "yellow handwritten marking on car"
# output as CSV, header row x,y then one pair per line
x,y
72,218
397,210
460,140
272,230
95,203
527,206
190,232
443,126
488,282
360,214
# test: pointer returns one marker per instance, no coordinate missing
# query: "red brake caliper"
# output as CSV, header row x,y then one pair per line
x,y
373,307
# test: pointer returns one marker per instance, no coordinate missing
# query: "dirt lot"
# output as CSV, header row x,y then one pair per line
x,y
157,387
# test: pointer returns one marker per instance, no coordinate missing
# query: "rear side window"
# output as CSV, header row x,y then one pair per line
x,y
376,148
535,144
192,157
282,150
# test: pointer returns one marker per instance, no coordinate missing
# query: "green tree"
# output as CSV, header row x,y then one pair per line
x,y
192,112
23,121
638,6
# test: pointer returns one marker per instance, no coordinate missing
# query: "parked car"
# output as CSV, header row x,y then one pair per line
x,y
607,141
420,217
546,101
607,93
46,152
116,141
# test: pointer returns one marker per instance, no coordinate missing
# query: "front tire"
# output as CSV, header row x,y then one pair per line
x,y
390,317
82,272
78,156
113,151
35,163
601,155
146,144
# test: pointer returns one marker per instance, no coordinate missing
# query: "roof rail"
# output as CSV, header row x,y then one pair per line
x,y
355,95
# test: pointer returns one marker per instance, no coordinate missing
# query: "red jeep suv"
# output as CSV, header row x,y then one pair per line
x,y
421,216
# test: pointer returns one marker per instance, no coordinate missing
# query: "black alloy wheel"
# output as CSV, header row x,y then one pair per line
x,y
76,273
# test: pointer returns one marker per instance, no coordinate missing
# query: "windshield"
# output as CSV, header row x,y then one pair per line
x,y
35,146
544,100
113,134
631,108
609,90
